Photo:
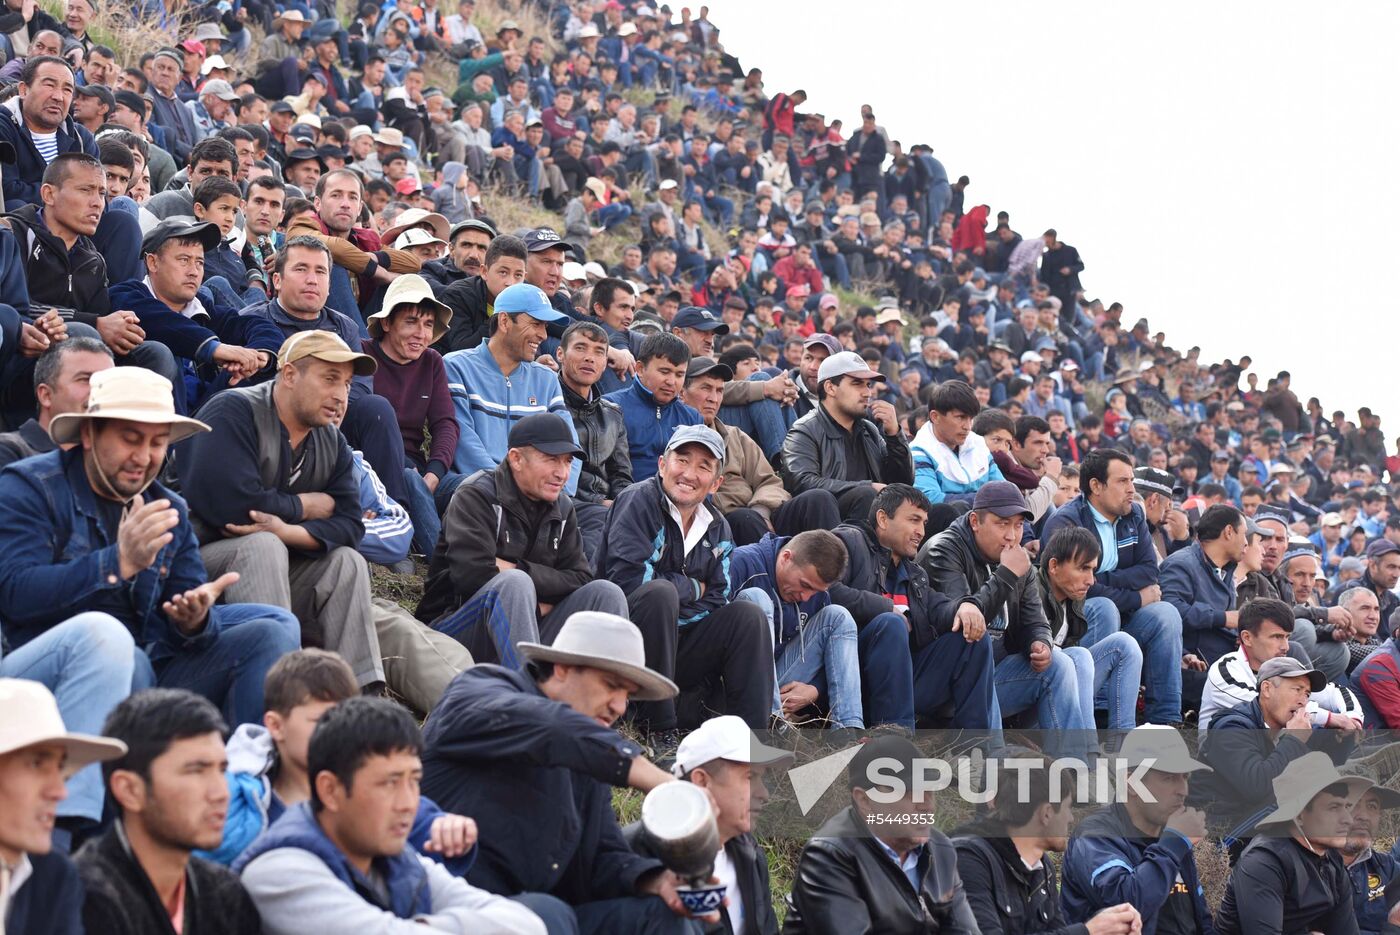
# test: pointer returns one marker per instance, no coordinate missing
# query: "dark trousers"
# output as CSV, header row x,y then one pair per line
x,y
723,664
592,517
949,669
371,427
630,915
811,509
855,503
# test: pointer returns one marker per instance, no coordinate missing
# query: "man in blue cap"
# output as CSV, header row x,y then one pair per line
x,y
497,383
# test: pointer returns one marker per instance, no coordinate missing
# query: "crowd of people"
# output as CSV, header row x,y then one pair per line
x,y
665,481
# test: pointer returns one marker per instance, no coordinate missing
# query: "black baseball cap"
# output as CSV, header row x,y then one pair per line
x,y
1001,498
695,317
475,224
281,107
700,366
98,91
541,239
331,151
544,432
901,750
134,102
304,154
206,231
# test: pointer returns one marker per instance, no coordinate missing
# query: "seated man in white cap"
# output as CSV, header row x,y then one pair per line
x,y
1291,878
532,756
1138,850
723,757
91,529
39,887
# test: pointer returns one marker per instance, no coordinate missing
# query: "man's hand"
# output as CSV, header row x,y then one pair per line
x,y
1122,919
665,883
781,389
1299,724
316,505
882,413
969,621
503,565
620,361
796,696
1040,656
1342,722
1016,560
32,341
1338,616
238,362
431,481
187,611
1190,823
1178,526
451,835
261,522
644,775
548,361
1150,594
1193,663
143,532
53,325
120,332
1053,466
1232,619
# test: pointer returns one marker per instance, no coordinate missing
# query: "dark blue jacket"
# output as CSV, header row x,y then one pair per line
x,y
649,426
51,901
755,566
1109,861
336,322
1191,585
61,559
21,181
1245,760
1137,558
1368,881
402,875
537,776
642,542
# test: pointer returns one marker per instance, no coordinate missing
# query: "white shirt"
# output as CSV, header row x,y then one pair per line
x,y
699,524
460,30
727,874
15,877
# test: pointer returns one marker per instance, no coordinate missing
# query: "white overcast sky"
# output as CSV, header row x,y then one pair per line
x,y
1226,169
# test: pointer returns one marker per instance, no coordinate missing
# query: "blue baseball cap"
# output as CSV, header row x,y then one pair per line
x,y
699,318
523,297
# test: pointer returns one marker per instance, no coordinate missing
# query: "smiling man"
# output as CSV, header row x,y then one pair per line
x,y
37,754
170,797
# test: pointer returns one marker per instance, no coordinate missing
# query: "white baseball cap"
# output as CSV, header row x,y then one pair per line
x,y
725,738
846,363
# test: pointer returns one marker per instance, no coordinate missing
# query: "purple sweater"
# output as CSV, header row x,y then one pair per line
x,y
418,393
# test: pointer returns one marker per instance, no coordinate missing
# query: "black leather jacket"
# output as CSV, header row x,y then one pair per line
x,y
814,455
956,568
1005,895
863,591
751,870
602,434
847,885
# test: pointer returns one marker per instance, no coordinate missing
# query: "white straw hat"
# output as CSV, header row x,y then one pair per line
x,y
131,394
597,640
29,717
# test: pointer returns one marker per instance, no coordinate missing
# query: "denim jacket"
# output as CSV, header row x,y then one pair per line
x,y
60,561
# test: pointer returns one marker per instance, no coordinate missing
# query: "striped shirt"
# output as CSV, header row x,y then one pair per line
x,y
47,145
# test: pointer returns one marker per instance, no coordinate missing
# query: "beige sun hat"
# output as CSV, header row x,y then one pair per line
x,y
31,718
410,289
390,136
290,16
417,237
597,640
327,346
1160,747
131,394
1303,779
414,217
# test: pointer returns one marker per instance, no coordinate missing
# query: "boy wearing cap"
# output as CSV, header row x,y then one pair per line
x,y
215,346
837,448
723,757
39,887
1291,877
497,383
169,795
1139,850
541,768
79,536
880,865
666,528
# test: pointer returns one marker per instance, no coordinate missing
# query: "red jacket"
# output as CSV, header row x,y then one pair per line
x,y
1379,680
971,233
788,271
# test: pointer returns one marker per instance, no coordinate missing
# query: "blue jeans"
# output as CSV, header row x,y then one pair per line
x,y
948,670
824,655
1157,629
230,671
1055,695
1110,672
765,421
609,216
87,662
423,511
